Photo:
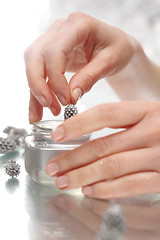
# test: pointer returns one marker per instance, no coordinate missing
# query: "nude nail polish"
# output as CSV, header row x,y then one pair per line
x,y
77,93
42,101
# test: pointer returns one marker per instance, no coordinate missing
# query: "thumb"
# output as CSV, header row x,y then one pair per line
x,y
105,63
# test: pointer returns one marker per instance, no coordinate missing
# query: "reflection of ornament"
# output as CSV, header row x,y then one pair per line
x,y
113,224
114,219
7,145
70,111
12,168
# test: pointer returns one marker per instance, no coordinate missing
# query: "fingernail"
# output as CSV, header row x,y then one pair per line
x,y
62,99
53,110
31,117
87,190
58,134
52,169
62,181
77,93
42,101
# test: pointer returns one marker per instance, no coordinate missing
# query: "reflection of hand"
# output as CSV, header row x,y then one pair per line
x,y
80,44
142,220
83,218
72,215
122,164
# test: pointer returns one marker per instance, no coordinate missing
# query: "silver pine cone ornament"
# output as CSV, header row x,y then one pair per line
x,y
7,145
70,111
12,168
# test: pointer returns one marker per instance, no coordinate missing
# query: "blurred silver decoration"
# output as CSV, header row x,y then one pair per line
x,y
7,145
16,134
15,138
12,168
113,225
70,111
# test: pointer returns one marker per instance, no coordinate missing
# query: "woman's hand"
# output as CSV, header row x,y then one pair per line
x,y
119,165
80,44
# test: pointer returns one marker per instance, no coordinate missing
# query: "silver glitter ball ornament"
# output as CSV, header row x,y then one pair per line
x,y
12,168
7,145
70,111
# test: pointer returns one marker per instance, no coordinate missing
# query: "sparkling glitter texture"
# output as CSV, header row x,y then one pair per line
x,y
70,111
12,168
7,145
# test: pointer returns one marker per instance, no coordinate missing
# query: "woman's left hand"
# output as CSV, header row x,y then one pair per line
x,y
123,164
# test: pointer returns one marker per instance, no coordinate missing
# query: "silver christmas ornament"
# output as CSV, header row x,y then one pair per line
x,y
70,111
12,168
7,145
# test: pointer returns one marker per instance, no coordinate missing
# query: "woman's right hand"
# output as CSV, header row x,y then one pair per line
x,y
81,44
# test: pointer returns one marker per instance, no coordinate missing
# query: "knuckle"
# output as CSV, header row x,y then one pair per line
x,y
112,167
87,82
76,16
101,147
82,21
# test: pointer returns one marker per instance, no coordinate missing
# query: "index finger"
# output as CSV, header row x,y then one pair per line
x,y
112,115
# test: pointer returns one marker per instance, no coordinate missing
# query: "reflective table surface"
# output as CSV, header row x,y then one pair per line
x,y
30,211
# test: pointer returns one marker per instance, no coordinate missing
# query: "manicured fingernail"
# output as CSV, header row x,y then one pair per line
x,y
31,117
87,190
52,169
62,181
53,110
62,99
42,101
58,134
77,93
